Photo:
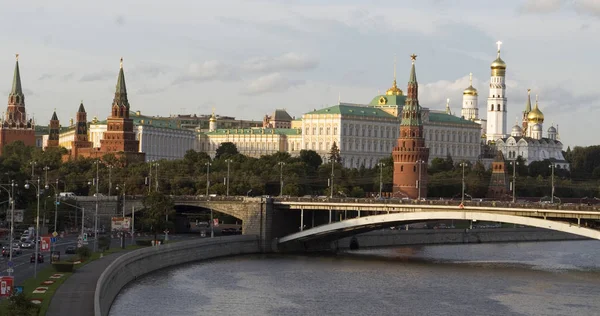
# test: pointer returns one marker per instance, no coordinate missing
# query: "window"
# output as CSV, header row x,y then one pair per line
x,y
328,130
314,131
320,131
335,130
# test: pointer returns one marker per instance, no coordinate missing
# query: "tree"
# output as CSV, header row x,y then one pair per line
x,y
311,159
158,206
334,154
226,149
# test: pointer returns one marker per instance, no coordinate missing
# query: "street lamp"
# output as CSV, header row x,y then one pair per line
x,y
419,162
212,230
514,164
123,233
552,196
228,161
281,164
37,221
110,168
208,164
463,165
97,184
11,195
331,182
381,165
156,176
33,164
46,168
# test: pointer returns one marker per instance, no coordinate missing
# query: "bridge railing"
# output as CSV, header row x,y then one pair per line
x,y
527,205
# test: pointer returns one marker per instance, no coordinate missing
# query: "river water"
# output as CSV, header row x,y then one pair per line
x,y
544,278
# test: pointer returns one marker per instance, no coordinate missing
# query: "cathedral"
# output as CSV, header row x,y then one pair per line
x,y
526,139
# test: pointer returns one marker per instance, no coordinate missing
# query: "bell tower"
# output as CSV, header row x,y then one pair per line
x,y
496,105
410,154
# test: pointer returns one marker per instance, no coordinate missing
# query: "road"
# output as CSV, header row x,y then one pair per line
x,y
24,269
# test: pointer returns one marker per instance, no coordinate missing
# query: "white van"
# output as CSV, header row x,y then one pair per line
x,y
66,194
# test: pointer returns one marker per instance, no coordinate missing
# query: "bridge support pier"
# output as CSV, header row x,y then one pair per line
x,y
301,219
578,221
329,216
359,213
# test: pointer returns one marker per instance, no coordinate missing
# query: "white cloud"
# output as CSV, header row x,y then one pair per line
x,y
210,70
591,7
274,82
541,6
286,62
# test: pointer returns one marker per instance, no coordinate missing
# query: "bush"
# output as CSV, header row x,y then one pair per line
x,y
104,243
62,266
21,305
84,253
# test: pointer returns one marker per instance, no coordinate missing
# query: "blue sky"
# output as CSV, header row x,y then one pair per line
x,y
247,57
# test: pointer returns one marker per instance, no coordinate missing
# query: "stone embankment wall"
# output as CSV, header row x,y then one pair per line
x,y
137,263
387,238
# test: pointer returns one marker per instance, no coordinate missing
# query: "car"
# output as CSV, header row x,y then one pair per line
x,y
40,258
70,250
6,251
27,244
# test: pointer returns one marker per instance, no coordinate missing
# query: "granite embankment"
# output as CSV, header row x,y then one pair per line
x,y
132,265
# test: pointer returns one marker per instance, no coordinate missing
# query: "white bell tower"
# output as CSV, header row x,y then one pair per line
x,y
496,103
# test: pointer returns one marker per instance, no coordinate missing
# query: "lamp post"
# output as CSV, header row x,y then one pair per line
x,y
11,195
514,164
228,161
37,221
212,230
97,183
463,165
552,196
123,232
33,164
46,168
420,162
331,182
150,178
156,175
381,165
281,164
110,167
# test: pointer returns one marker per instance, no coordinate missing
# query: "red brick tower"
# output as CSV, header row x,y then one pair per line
x,y
410,154
81,131
53,131
15,126
498,188
119,136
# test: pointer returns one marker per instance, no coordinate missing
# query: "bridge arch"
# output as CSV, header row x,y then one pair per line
x,y
367,223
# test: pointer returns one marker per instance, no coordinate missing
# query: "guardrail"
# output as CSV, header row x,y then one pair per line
x,y
134,264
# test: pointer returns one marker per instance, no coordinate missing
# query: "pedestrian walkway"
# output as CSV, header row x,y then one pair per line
x,y
76,295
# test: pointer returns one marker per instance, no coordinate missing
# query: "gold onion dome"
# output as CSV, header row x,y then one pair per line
x,y
498,66
394,90
536,116
470,90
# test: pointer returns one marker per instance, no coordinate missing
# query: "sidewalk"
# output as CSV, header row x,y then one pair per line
x,y
76,295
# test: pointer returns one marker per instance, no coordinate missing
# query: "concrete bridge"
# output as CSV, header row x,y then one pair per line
x,y
280,222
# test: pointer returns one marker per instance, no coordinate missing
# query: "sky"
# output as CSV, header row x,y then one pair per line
x,y
245,58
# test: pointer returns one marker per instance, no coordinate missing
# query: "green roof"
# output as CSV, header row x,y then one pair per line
x,y
16,86
353,110
440,117
256,131
388,100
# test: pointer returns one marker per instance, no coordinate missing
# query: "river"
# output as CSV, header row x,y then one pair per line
x,y
543,278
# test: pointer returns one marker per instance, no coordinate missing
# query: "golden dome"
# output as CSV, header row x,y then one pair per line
x,y
394,90
498,63
535,116
498,66
470,90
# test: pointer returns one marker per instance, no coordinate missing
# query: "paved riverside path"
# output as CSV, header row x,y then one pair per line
x,y
76,295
